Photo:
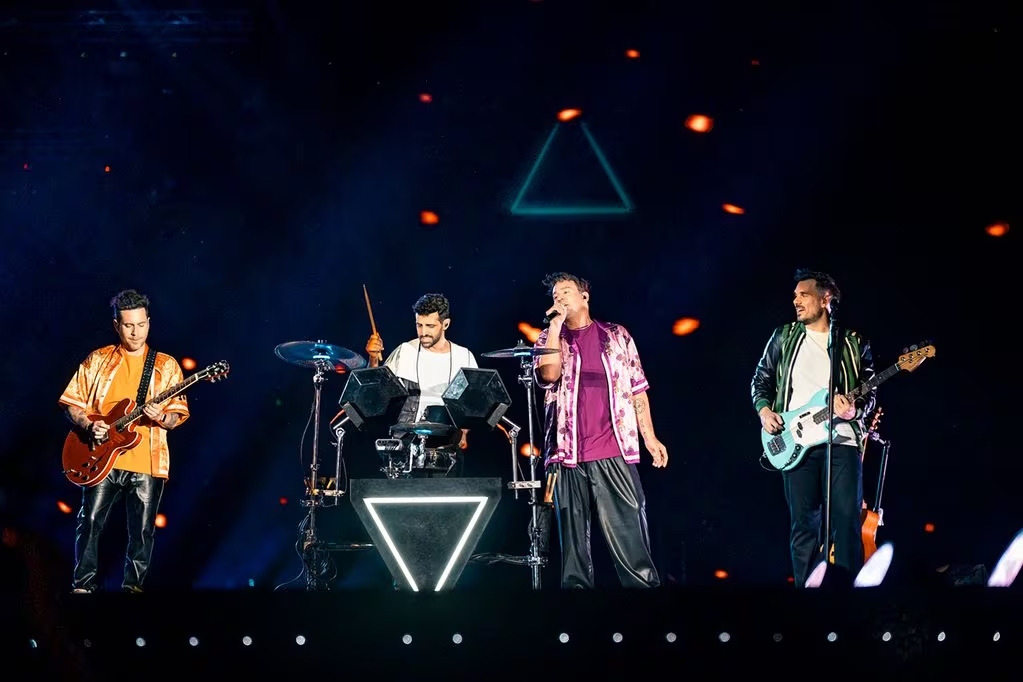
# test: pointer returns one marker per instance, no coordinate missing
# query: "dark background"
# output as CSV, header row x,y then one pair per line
x,y
267,160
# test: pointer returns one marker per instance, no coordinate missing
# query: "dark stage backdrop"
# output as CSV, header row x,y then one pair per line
x,y
250,170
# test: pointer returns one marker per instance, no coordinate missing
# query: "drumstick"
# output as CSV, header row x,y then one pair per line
x,y
372,323
369,309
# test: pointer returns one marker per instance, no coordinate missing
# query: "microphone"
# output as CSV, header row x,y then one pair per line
x,y
550,316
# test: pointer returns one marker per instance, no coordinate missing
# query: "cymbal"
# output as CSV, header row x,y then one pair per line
x,y
423,428
521,350
318,354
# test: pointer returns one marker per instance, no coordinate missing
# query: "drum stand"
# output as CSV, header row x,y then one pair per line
x,y
315,560
535,560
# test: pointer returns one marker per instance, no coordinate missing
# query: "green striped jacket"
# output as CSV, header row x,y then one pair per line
x,y
772,380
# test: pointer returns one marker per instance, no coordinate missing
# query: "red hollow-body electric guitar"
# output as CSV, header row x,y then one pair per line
x,y
87,462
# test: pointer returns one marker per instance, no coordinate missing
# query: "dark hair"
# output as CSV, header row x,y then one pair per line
x,y
433,303
551,280
129,299
825,282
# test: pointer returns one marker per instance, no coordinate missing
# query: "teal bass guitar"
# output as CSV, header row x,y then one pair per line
x,y
807,426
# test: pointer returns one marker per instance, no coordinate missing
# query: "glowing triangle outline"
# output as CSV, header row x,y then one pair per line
x,y
481,503
626,204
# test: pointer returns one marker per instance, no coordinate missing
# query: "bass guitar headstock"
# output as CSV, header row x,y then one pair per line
x,y
915,355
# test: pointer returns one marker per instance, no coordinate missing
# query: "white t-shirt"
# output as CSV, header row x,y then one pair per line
x,y
810,374
432,371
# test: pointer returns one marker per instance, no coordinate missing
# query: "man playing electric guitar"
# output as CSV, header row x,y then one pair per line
x,y
794,367
107,376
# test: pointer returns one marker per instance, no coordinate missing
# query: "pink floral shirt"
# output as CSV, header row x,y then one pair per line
x,y
625,378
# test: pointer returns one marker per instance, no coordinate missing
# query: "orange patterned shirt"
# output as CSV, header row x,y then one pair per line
x,y
104,378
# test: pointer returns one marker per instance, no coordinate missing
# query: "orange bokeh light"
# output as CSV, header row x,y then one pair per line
x,y
283,501
720,574
428,218
928,527
699,123
684,326
106,169
997,229
569,114
425,97
755,62
733,209
161,521
64,507
632,54
187,363
529,331
525,448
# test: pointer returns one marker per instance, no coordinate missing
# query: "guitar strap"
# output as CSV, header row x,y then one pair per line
x,y
147,376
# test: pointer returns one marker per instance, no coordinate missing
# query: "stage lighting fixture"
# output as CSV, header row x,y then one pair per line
x,y
871,575
426,529
1009,565
876,568
816,576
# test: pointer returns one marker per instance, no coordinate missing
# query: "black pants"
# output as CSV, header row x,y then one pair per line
x,y
804,492
613,487
142,493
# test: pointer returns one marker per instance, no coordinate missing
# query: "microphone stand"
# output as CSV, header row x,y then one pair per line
x,y
831,429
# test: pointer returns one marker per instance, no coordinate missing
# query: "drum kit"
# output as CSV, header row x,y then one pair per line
x,y
407,450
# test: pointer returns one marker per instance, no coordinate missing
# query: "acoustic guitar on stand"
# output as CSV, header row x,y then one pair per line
x,y
87,462
807,426
874,517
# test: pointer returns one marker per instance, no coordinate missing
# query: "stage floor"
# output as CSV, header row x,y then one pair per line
x,y
475,635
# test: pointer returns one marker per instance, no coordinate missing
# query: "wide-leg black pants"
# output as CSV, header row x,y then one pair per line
x,y
613,488
804,492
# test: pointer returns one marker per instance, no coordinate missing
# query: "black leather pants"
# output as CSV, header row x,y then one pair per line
x,y
613,487
142,501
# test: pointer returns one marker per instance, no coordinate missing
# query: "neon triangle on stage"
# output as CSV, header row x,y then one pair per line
x,y
522,206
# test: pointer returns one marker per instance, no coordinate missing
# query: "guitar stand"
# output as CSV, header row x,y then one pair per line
x,y
536,558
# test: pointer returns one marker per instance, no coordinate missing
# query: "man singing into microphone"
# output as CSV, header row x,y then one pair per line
x,y
596,407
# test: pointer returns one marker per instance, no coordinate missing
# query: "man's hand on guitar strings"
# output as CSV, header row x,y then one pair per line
x,y
843,408
99,429
153,412
771,420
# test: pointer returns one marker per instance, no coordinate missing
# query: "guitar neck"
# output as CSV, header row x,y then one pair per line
x,y
874,382
166,395
862,389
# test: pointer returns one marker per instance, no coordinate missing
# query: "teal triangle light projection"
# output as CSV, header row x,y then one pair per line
x,y
522,206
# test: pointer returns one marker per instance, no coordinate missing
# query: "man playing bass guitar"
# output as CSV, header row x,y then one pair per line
x,y
794,367
107,376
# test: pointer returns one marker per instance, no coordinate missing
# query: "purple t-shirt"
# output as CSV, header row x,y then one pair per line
x,y
596,437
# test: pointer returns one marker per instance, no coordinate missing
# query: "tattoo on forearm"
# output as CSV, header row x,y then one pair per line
x,y
640,404
77,417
